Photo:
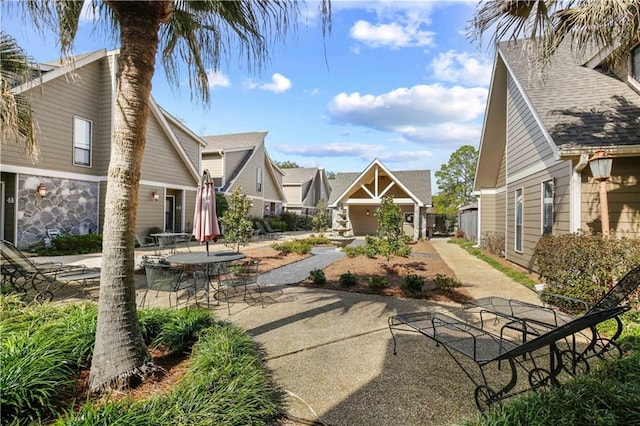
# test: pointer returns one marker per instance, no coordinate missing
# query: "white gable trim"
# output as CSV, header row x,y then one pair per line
x,y
69,65
184,128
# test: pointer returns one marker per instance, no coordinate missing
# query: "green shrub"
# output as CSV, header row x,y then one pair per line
x,y
317,276
304,223
445,282
378,283
73,244
292,246
317,241
278,225
412,283
348,279
291,219
584,266
354,251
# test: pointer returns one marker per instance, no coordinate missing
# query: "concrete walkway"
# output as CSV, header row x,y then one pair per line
x,y
332,353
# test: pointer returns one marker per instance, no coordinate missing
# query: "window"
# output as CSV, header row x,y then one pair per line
x,y
81,142
547,207
635,63
519,208
259,179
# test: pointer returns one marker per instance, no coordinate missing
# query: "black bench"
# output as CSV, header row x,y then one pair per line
x,y
484,347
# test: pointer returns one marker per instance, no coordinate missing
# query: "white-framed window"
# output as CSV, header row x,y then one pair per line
x,y
519,210
82,142
547,207
635,63
259,179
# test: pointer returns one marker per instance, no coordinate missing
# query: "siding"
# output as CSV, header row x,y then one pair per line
x,y
213,163
161,161
522,129
623,198
247,178
502,172
489,212
150,212
232,162
190,145
54,107
292,192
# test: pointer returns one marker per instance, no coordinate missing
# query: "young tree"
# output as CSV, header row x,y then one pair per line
x,y
287,164
195,33
320,221
605,24
391,238
16,119
455,180
237,228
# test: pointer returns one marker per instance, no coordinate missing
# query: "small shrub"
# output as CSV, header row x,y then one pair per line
x,y
493,241
73,244
278,225
412,283
318,240
354,251
348,279
304,223
378,283
445,282
317,276
293,246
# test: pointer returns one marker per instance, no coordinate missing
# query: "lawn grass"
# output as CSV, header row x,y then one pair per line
x,y
515,275
43,347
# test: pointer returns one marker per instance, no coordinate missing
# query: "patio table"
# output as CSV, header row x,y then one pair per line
x,y
199,263
169,240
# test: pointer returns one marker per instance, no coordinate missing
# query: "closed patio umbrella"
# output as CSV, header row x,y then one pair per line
x,y
205,221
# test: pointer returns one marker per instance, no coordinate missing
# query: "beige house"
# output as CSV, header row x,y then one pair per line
x,y
241,159
539,132
73,106
360,194
304,187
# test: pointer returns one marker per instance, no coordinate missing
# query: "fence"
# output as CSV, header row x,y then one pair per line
x,y
468,223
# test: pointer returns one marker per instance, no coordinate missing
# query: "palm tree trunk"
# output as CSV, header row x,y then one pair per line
x,y
120,357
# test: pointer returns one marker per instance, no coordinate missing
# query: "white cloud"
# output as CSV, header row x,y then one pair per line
x,y
217,79
364,152
423,113
462,67
394,35
279,83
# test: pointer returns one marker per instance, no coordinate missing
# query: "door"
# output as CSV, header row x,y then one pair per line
x,y
170,214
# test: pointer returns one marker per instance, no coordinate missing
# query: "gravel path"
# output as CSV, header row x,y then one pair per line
x,y
299,271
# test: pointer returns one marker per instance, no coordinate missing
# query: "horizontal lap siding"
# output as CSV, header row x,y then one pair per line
x,y
527,149
189,144
232,162
488,215
623,194
247,178
161,162
150,212
213,163
54,106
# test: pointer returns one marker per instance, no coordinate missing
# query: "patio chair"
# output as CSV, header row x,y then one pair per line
x,y
145,241
530,318
261,232
234,275
269,229
183,239
162,277
540,358
23,275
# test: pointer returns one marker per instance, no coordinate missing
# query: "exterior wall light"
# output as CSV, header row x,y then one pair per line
x,y
600,165
41,190
368,212
155,195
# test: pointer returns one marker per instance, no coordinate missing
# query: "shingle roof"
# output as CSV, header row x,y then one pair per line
x,y
578,105
235,140
298,175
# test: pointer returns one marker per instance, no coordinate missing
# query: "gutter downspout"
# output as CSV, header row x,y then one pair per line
x,y
575,193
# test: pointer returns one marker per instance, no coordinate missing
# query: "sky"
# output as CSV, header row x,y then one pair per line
x,y
399,81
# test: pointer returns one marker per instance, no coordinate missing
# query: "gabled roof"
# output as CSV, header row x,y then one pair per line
x,y
417,183
580,106
298,175
233,141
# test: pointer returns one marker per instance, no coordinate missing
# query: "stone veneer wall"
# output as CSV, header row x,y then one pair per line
x,y
70,205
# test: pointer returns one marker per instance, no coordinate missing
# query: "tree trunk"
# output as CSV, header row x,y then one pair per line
x,y
120,357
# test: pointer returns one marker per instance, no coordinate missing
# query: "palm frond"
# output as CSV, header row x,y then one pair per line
x,y
17,122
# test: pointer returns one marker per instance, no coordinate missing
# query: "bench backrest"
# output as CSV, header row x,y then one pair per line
x,y
588,320
15,258
614,297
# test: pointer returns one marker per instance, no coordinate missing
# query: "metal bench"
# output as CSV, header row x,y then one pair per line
x,y
540,358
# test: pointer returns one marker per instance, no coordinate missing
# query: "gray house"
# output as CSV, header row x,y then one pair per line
x,y
304,187
359,194
540,130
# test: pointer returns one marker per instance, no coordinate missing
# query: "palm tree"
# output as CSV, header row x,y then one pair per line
x,y
16,119
613,24
198,34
